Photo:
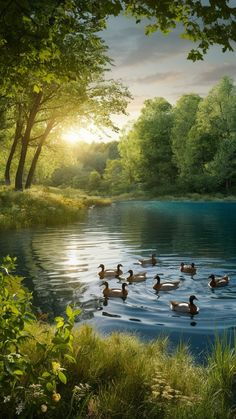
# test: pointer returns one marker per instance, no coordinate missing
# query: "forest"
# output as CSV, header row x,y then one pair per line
x,y
189,147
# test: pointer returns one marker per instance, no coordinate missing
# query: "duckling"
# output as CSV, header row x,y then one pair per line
x,y
110,272
165,286
141,276
188,269
185,307
115,292
218,282
152,261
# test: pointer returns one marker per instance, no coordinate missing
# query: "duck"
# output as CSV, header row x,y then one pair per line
x,y
110,272
115,292
188,269
165,286
185,307
218,282
139,277
152,261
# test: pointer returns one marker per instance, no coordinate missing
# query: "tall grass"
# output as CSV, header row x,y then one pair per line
x,y
42,206
120,376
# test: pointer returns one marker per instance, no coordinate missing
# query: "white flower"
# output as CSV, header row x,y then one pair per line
x,y
20,408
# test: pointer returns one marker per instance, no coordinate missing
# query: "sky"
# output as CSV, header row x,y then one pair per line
x,y
157,65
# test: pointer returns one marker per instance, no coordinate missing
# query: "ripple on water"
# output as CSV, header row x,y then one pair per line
x,y
61,265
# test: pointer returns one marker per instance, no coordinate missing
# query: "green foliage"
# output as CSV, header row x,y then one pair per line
x,y
206,23
187,148
26,387
42,207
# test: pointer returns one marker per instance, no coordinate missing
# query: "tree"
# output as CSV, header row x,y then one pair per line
x,y
153,135
223,166
184,117
64,80
208,23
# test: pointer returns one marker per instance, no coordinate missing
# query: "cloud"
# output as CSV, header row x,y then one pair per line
x,y
158,78
129,46
214,74
154,49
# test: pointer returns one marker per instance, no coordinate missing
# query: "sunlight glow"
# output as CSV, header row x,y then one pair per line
x,y
74,135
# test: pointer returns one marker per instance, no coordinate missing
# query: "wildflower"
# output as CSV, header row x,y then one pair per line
x,y
44,408
20,408
80,391
7,399
36,390
56,397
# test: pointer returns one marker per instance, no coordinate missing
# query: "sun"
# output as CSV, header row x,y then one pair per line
x,y
73,136
70,136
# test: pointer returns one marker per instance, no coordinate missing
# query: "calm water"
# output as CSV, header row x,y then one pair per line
x,y
60,266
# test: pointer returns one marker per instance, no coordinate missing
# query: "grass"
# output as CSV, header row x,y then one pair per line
x,y
43,206
121,377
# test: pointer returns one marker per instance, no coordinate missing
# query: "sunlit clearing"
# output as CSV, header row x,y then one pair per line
x,y
74,135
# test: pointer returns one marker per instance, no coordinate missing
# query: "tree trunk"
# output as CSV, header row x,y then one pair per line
x,y
30,176
18,131
25,142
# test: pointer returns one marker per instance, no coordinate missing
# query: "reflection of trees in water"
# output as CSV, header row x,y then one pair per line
x,y
201,228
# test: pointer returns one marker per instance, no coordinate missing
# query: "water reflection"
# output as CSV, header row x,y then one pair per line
x,y
60,265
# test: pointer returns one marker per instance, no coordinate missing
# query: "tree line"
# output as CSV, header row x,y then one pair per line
x,y
188,147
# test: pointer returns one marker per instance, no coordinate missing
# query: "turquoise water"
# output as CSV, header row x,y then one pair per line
x,y
60,267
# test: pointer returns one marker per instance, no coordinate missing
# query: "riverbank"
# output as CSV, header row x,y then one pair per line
x,y
218,197
42,206
59,372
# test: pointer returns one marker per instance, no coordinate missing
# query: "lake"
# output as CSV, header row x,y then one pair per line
x,y
60,266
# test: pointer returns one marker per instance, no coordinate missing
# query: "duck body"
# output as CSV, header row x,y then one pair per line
x,y
165,286
139,277
218,282
152,261
115,292
110,272
185,307
188,269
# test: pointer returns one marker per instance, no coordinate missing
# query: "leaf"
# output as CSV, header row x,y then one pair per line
x,y
69,311
18,372
70,358
36,88
49,387
46,374
62,377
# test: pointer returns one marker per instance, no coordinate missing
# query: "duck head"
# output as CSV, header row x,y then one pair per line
x,y
193,265
119,265
211,277
101,266
157,278
130,272
191,298
105,283
123,286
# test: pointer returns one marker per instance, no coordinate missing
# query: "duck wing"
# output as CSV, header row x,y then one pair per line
x,y
168,286
179,306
